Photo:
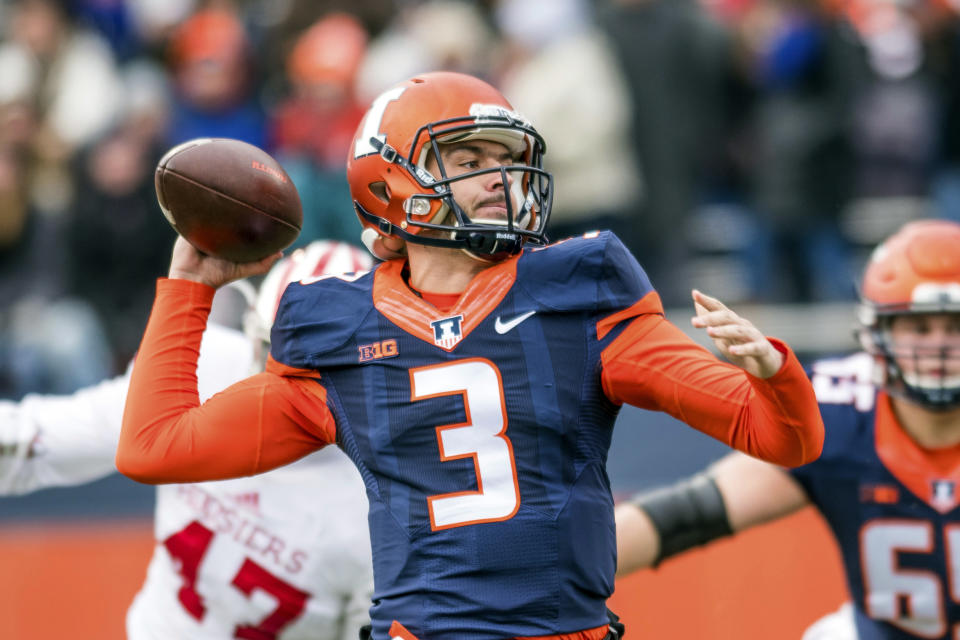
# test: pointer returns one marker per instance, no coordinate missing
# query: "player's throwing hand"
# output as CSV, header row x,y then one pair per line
x,y
736,338
190,264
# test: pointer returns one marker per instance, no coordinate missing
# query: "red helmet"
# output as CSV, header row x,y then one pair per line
x,y
916,270
394,194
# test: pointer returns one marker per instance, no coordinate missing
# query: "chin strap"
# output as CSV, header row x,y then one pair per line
x,y
495,243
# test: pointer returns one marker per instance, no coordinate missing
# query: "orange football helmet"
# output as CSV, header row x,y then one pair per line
x,y
395,196
915,271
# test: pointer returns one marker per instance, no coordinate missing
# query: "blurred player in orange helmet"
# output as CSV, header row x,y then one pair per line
x,y
474,377
213,68
209,53
311,130
323,113
888,481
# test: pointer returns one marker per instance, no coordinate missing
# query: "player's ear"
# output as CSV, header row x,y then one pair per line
x,y
381,247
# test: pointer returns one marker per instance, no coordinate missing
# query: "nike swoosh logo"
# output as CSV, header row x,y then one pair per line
x,y
503,327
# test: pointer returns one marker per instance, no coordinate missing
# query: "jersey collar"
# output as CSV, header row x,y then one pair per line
x,y
394,299
906,460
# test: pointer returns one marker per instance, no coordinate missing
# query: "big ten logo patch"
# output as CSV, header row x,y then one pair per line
x,y
879,493
378,350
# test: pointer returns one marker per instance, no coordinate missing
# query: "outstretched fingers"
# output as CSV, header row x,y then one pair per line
x,y
710,311
735,337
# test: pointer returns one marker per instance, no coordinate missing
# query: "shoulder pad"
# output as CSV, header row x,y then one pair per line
x,y
845,381
319,315
591,272
847,397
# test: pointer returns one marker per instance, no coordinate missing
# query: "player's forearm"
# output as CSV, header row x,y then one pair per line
x,y
786,401
16,441
653,365
254,425
163,384
51,440
638,543
660,523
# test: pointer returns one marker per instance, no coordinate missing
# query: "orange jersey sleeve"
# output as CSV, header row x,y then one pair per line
x,y
257,424
653,365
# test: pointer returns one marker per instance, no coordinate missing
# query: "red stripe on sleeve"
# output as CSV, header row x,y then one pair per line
x,y
653,365
255,425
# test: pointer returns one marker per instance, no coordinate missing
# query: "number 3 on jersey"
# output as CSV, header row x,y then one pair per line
x,y
481,437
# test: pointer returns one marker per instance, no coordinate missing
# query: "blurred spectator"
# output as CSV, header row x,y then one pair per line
x,y
676,59
117,238
311,131
808,70
943,54
59,90
561,73
449,35
214,75
113,20
155,20
280,23
894,129
63,84
47,342
70,75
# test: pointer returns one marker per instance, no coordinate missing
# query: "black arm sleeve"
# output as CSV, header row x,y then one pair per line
x,y
688,514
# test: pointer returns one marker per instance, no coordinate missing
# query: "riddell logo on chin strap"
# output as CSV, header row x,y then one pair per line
x,y
259,166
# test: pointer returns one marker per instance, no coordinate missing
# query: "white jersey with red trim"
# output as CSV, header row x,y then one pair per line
x,y
55,441
283,555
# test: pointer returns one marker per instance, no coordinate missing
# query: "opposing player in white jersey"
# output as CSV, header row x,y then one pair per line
x,y
262,557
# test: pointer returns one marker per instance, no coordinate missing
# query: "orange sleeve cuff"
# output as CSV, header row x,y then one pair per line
x,y
257,424
653,365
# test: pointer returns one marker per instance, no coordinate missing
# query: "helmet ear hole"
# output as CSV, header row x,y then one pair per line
x,y
380,191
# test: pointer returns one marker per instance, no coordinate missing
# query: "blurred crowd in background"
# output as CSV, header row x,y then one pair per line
x,y
754,148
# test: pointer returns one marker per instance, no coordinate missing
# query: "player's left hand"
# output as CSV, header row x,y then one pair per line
x,y
736,338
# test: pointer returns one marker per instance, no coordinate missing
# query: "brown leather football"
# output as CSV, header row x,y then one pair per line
x,y
228,198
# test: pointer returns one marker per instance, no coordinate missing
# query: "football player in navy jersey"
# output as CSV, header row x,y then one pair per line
x,y
888,481
473,382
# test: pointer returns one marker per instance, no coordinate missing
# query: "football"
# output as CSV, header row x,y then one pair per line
x,y
228,198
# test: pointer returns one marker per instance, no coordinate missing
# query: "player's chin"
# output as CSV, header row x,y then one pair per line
x,y
495,216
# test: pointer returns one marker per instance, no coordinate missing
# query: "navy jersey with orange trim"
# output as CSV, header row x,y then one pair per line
x,y
893,513
481,433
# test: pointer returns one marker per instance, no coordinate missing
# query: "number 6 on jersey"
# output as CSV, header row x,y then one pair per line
x,y
481,437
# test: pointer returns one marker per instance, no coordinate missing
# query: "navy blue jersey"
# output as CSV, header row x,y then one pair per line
x,y
481,434
894,516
